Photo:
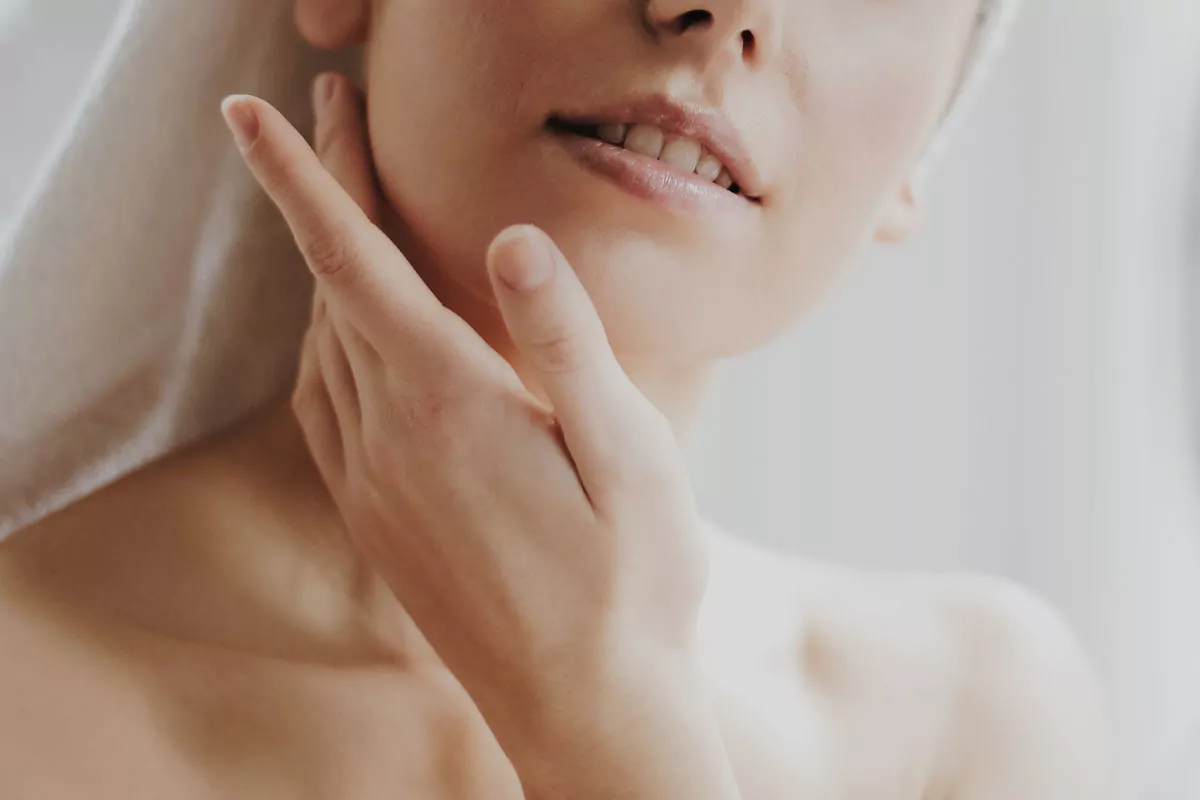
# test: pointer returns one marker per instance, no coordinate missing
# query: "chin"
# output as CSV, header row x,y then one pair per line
x,y
671,287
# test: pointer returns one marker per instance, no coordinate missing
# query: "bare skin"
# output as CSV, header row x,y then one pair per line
x,y
198,630
206,627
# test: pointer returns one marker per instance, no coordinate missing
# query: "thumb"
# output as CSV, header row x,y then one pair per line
x,y
615,434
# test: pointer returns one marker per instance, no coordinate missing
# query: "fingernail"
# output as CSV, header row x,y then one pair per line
x,y
524,258
241,119
323,88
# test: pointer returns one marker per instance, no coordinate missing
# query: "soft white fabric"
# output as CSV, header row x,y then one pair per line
x,y
150,294
995,20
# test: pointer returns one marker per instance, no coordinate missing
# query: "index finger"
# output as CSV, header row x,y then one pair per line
x,y
362,269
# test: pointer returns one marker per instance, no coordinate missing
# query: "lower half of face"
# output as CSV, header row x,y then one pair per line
x,y
472,110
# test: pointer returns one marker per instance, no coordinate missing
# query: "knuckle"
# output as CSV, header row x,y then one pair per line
x,y
331,253
561,351
445,415
448,419
429,411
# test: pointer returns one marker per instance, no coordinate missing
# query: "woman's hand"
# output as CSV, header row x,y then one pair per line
x,y
552,556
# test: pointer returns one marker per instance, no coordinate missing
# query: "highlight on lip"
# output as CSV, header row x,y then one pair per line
x,y
652,178
682,152
669,129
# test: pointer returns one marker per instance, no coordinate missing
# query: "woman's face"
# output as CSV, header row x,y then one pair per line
x,y
832,100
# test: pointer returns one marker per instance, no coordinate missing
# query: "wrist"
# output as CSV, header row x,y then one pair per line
x,y
639,717
536,686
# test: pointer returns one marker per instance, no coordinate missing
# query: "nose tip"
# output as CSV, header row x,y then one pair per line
x,y
749,28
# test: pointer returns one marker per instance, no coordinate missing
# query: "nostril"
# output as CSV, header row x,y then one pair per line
x,y
748,43
696,18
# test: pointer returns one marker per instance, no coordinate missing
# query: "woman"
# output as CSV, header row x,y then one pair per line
x,y
461,558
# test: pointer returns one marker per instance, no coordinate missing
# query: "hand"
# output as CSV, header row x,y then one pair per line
x,y
544,551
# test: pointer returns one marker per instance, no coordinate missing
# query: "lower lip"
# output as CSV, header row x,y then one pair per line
x,y
651,179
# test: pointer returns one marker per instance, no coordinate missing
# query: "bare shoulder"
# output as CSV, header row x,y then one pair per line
x,y
59,688
51,648
981,681
1032,719
1018,710
1001,623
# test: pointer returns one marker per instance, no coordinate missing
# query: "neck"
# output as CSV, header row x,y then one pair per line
x,y
340,584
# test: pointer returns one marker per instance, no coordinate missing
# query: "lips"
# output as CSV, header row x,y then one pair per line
x,y
687,156
684,153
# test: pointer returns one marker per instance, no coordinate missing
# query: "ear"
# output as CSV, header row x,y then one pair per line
x,y
333,24
902,216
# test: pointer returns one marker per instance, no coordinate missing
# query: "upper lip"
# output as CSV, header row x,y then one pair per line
x,y
709,126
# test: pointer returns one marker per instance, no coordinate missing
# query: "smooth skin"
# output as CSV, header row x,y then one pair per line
x,y
559,584
455,564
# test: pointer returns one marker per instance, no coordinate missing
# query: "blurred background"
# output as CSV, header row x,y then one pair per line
x,y
1015,391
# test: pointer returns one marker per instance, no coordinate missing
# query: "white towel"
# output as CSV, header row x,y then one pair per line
x,y
995,20
150,294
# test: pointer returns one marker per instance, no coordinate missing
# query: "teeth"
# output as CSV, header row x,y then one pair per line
x,y
709,167
613,134
686,154
645,139
682,153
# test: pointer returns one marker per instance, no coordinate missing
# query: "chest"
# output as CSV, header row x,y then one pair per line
x,y
370,734
228,729
167,718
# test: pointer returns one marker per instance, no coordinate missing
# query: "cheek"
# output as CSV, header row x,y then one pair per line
x,y
875,100
859,138
452,84
437,116
885,126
